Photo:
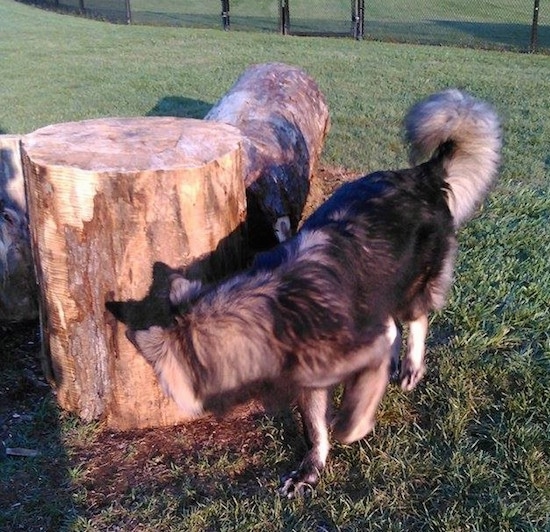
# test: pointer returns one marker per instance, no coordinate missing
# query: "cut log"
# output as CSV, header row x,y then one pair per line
x,y
284,118
18,290
107,199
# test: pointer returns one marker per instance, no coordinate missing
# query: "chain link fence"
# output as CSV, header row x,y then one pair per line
x,y
522,25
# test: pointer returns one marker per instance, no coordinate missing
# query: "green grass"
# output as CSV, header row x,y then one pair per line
x,y
468,450
503,24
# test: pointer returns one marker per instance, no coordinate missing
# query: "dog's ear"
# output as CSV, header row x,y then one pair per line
x,y
175,377
152,343
182,289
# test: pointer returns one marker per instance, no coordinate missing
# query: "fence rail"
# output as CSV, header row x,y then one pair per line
x,y
509,24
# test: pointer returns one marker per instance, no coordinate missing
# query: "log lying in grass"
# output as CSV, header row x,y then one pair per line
x,y
284,118
18,290
107,199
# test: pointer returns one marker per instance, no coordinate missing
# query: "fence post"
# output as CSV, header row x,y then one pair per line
x,y
284,17
534,27
225,15
361,29
358,19
128,12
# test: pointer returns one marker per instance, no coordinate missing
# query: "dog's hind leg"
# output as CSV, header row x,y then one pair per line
x,y
314,408
413,367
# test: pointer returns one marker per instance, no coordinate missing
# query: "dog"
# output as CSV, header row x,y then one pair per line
x,y
323,308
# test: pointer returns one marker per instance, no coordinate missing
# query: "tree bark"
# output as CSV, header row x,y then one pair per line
x,y
107,199
284,118
18,290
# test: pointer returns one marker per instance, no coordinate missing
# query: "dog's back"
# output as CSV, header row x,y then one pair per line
x,y
403,222
399,232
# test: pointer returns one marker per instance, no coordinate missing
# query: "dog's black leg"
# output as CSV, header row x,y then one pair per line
x,y
314,409
393,335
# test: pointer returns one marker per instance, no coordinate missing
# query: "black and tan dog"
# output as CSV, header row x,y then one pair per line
x,y
321,308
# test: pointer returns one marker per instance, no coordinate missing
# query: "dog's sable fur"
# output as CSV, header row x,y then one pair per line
x,y
320,309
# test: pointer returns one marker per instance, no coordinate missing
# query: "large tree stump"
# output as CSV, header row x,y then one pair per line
x,y
18,291
284,118
108,198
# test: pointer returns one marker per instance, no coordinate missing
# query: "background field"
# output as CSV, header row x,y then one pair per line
x,y
504,24
468,450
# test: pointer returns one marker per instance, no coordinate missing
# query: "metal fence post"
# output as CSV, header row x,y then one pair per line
x,y
534,27
284,17
128,12
225,15
358,19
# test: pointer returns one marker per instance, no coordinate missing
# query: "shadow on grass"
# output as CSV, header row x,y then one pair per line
x,y
491,35
180,107
501,34
196,462
34,492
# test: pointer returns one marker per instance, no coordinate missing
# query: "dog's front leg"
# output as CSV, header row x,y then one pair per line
x,y
413,367
314,408
362,395
364,390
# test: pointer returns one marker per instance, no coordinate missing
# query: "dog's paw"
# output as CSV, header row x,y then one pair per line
x,y
295,485
298,484
395,370
411,375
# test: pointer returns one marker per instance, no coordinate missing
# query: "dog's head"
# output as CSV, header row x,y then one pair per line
x,y
165,350
158,331
183,292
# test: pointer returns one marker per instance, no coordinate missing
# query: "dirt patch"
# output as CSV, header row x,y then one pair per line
x,y
324,182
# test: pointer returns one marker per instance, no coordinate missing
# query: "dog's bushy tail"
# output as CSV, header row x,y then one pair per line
x,y
473,129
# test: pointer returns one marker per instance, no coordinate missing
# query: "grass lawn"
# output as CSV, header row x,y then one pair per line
x,y
468,450
504,24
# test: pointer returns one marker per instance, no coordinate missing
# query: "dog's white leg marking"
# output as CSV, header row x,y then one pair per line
x,y
314,409
413,367
394,338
